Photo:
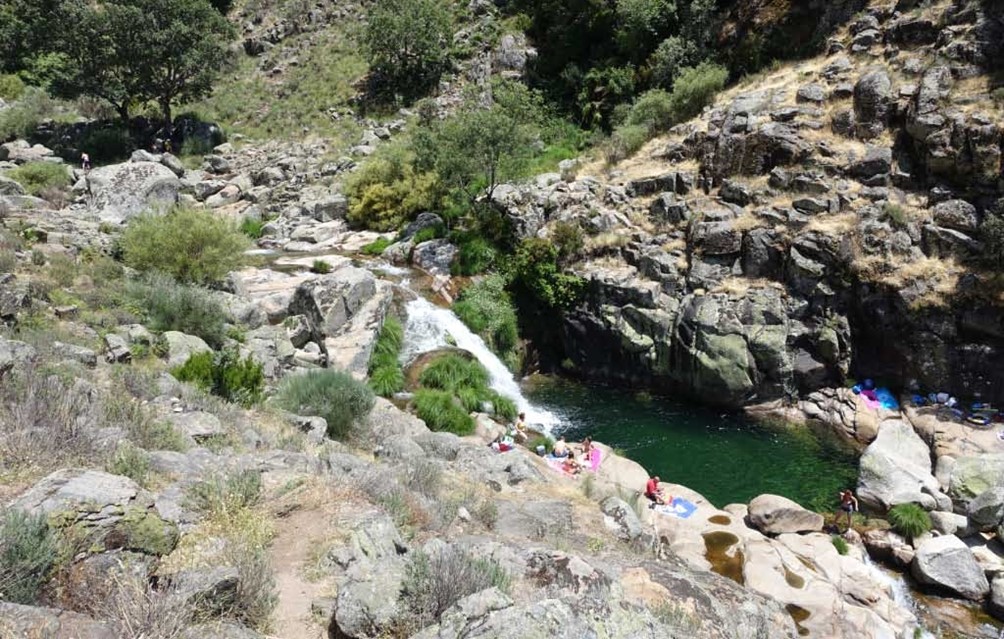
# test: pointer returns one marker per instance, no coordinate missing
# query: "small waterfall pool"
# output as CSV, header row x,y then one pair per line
x,y
429,327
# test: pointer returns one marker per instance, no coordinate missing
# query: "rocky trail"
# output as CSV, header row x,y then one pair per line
x,y
300,534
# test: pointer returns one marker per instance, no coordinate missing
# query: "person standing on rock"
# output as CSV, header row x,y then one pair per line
x,y
848,504
85,162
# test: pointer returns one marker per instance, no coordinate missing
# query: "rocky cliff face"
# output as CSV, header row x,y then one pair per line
x,y
817,222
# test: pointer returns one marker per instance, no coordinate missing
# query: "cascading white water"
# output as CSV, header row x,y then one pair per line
x,y
898,588
429,327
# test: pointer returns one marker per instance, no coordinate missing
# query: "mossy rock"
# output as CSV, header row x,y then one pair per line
x,y
143,531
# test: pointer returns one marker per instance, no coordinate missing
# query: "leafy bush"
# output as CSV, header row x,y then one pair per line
x,y
440,412
429,233
129,461
840,544
504,407
535,271
388,190
386,376
251,227
22,119
433,584
190,245
225,375
569,239
11,87
909,520
224,494
320,267
28,551
476,255
652,110
257,596
170,306
625,142
377,246
37,177
695,88
334,395
486,308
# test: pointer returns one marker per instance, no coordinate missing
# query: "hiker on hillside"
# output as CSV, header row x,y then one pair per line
x,y
85,162
848,504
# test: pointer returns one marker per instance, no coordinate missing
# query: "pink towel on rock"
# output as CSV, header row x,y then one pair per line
x,y
595,457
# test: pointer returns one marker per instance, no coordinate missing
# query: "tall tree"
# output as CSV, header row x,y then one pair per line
x,y
407,43
129,52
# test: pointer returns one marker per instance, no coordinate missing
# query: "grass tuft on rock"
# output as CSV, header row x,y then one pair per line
x,y
441,411
909,520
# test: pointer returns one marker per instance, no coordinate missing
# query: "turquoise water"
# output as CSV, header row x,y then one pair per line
x,y
724,456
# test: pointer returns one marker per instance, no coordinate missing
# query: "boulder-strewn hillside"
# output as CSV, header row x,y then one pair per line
x,y
817,222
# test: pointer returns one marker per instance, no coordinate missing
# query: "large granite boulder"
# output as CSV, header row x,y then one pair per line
x,y
872,96
121,191
328,302
111,511
971,476
775,515
896,469
986,511
181,346
946,562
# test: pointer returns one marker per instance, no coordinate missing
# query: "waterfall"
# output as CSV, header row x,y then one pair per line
x,y
429,327
898,588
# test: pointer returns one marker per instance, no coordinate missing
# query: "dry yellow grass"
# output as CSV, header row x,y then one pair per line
x,y
833,224
739,286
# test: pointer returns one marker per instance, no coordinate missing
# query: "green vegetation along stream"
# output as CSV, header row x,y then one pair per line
x,y
725,457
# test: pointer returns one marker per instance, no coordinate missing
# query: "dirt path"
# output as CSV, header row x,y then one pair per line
x,y
291,550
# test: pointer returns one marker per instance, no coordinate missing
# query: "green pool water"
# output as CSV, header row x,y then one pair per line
x,y
724,456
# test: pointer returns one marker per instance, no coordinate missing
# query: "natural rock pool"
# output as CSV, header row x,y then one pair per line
x,y
724,456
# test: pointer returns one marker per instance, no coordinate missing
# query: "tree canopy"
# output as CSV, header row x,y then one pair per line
x,y
407,43
126,52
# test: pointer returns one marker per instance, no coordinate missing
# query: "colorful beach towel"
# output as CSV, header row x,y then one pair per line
x,y
680,508
595,457
557,463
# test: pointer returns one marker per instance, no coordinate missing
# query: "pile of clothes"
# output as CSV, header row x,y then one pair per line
x,y
876,397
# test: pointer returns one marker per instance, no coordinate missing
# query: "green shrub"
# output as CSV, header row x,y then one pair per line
x,y
22,119
387,190
569,239
37,177
653,110
28,551
997,95
440,412
226,493
334,395
695,88
170,306
386,380
434,583
453,373
896,215
909,520
407,44
486,308
535,271
625,142
190,245
377,246
225,375
476,255
840,544
130,461
320,267
251,227
11,87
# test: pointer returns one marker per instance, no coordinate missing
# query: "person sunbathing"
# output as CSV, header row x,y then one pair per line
x,y
560,448
571,466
